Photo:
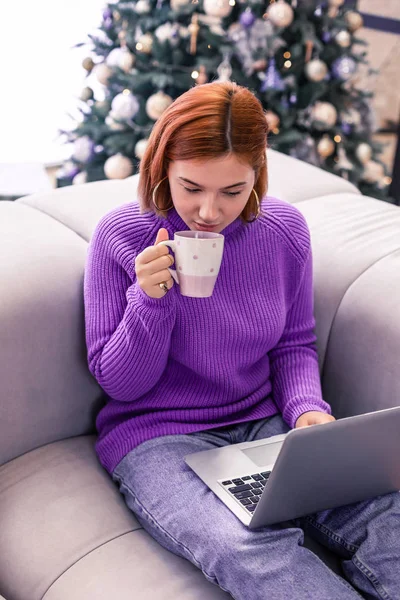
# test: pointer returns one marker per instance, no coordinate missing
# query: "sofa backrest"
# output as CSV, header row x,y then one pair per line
x,y
46,390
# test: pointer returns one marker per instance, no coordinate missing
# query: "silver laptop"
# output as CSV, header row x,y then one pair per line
x,y
306,470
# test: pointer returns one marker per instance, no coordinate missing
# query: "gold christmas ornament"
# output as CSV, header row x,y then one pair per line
x,y
145,43
343,39
325,146
373,172
176,4
363,152
103,105
88,64
140,148
280,13
86,94
316,70
157,104
127,61
272,119
217,8
118,167
80,178
102,73
325,113
354,20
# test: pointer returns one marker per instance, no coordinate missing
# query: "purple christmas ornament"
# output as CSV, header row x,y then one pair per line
x,y
318,11
108,23
273,79
346,128
293,98
107,14
247,18
326,37
344,67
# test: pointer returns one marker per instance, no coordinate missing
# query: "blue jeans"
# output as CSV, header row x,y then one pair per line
x,y
183,515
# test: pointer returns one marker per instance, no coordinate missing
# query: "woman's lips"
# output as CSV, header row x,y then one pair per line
x,y
203,227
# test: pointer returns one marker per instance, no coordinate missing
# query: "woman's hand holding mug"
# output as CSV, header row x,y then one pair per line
x,y
151,267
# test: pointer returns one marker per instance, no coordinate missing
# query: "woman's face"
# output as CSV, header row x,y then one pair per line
x,y
210,194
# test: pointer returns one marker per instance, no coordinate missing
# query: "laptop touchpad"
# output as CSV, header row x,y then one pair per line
x,y
264,454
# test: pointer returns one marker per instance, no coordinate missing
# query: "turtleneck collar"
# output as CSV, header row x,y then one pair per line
x,y
178,224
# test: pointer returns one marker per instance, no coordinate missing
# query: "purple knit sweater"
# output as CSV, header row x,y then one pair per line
x,y
176,364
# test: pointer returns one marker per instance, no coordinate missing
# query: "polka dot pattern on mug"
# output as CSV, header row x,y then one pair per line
x,y
195,257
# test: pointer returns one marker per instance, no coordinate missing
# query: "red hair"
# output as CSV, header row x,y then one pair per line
x,y
208,121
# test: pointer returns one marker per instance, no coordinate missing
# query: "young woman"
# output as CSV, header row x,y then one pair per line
x,y
184,374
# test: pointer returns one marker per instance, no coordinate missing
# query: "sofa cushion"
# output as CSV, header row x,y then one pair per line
x,y
65,532
47,392
349,234
80,207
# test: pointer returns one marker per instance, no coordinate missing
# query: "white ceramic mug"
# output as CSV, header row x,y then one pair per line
x,y
198,256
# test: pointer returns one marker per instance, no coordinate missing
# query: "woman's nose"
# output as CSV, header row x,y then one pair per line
x,y
208,211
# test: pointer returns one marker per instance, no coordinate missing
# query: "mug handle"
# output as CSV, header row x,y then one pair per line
x,y
171,244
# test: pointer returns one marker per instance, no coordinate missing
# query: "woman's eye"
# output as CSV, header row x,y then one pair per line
x,y
195,190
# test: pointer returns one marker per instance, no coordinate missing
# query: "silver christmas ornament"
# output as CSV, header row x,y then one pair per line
x,y
124,106
224,70
280,13
316,70
83,149
343,39
113,124
142,7
217,8
364,152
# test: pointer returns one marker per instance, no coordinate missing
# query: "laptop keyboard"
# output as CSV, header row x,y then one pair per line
x,y
247,489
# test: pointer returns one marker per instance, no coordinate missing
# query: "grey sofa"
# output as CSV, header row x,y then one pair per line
x,y
65,532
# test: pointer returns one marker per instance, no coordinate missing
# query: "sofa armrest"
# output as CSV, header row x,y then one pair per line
x,y
46,390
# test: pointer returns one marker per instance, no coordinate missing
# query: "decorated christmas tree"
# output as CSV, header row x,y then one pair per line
x,y
301,58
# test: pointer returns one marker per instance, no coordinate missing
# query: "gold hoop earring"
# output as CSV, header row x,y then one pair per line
x,y
258,207
154,196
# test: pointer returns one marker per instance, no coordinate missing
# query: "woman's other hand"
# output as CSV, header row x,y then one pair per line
x,y
313,417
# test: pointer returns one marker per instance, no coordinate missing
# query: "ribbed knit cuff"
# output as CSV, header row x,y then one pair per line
x,y
297,406
151,308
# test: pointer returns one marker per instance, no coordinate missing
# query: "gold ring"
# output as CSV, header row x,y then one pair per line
x,y
164,286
